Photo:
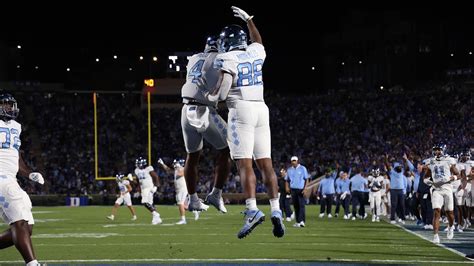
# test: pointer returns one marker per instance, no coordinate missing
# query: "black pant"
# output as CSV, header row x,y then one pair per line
x,y
299,204
426,209
397,198
358,199
285,205
414,206
326,201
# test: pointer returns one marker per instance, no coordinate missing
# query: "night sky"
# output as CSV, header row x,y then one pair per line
x,y
77,33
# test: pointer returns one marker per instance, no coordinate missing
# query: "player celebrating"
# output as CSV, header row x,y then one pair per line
x,y
240,84
375,195
180,187
199,120
442,169
148,184
15,204
125,189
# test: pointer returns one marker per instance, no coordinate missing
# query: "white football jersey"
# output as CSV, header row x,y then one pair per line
x,y
176,172
123,186
200,65
144,177
441,169
246,69
468,165
376,183
9,146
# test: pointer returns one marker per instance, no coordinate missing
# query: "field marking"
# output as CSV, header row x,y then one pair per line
x,y
38,212
220,243
242,260
75,235
425,238
50,220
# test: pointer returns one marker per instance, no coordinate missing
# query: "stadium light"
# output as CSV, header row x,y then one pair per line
x,y
470,53
115,57
97,60
155,58
342,63
68,69
381,87
36,67
18,46
313,68
141,58
18,66
452,55
360,62
130,69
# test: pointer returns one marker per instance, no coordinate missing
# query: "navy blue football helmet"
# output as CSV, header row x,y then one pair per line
x,y
211,44
441,147
178,163
8,107
232,37
140,162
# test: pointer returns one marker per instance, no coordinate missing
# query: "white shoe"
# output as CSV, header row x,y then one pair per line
x,y
111,217
329,216
353,218
377,219
288,219
399,220
428,227
460,229
450,234
196,215
181,222
345,217
402,222
134,218
373,218
302,224
365,215
292,216
321,215
393,222
216,201
156,219
436,239
197,206
446,229
296,225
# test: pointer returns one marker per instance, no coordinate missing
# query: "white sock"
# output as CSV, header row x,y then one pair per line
x,y
183,218
193,197
155,213
216,191
113,216
32,263
251,204
275,204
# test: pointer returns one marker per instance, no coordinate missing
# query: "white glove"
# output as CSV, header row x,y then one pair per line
x,y
130,177
343,195
153,190
241,14
37,177
160,161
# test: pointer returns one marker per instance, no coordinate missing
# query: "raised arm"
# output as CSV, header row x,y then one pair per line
x,y
253,31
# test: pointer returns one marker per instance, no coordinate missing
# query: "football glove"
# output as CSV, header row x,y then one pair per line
x,y
239,13
36,177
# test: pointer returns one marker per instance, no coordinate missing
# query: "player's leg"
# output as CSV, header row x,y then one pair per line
x,y
262,155
128,201
181,195
21,237
191,171
216,135
449,207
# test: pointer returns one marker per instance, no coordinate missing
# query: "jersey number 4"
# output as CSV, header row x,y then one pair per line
x,y
196,71
8,133
250,74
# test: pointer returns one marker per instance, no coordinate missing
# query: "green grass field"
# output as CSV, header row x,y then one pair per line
x,y
84,235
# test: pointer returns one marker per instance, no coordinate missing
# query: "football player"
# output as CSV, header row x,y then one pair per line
x,y
149,181
200,120
125,189
240,83
442,171
15,204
